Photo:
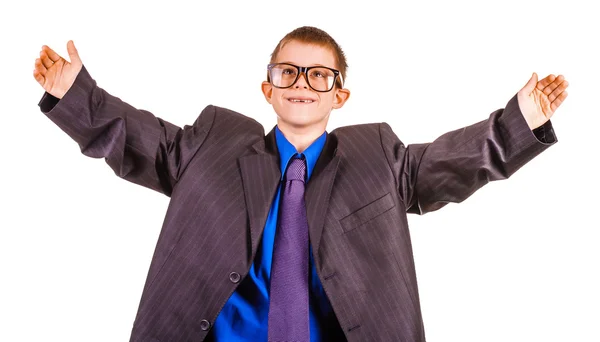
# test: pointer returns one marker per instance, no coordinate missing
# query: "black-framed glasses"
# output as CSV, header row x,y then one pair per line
x,y
319,78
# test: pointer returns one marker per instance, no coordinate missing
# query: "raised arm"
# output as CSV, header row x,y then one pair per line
x,y
138,146
455,165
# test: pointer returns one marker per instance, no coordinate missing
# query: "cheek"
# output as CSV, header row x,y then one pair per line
x,y
326,100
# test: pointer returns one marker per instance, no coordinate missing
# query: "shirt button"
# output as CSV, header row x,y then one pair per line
x,y
204,325
234,277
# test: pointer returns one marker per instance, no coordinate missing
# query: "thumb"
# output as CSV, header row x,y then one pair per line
x,y
73,54
530,86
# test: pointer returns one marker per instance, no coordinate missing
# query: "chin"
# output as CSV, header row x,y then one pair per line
x,y
297,122
301,117
303,122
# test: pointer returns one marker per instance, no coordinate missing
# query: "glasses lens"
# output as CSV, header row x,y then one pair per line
x,y
321,79
283,75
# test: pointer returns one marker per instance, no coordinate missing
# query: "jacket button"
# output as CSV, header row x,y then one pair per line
x,y
204,325
234,277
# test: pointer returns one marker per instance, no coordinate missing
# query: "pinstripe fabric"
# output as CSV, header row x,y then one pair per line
x,y
221,173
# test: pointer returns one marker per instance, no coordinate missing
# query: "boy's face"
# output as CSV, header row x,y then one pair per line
x,y
299,106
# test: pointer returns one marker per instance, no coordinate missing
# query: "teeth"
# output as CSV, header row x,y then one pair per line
x,y
296,100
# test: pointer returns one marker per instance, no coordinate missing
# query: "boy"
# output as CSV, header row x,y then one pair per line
x,y
299,235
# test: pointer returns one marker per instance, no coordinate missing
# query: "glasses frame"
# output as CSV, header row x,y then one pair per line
x,y
337,76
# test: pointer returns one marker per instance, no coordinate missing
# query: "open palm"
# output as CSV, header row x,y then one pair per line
x,y
54,73
539,100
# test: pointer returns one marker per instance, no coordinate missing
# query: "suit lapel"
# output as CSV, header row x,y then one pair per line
x,y
260,177
318,191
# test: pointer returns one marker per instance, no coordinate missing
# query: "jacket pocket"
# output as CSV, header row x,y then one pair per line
x,y
367,213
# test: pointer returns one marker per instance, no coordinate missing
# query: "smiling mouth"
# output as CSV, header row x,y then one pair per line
x,y
300,100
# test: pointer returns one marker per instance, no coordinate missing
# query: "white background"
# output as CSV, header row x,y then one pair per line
x,y
517,261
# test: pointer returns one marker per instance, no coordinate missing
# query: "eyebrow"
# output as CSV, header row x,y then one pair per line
x,y
288,62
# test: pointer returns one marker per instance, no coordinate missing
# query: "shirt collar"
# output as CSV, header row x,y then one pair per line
x,y
287,151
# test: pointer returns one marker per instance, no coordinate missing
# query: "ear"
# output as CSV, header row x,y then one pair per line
x,y
267,90
341,96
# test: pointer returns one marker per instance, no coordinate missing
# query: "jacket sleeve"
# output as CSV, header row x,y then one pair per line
x,y
138,146
456,164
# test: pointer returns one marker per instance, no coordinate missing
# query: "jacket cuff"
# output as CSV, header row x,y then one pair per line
x,y
72,100
545,133
519,138
47,102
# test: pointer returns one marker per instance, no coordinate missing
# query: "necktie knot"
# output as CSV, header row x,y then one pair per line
x,y
296,170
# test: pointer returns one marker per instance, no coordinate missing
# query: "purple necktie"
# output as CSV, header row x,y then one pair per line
x,y
288,306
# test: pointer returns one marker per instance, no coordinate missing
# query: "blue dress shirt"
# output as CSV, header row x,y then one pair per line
x,y
245,315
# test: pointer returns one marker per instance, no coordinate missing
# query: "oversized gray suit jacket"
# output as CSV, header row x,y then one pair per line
x,y
222,173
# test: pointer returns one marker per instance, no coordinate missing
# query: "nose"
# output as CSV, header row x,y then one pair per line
x,y
301,82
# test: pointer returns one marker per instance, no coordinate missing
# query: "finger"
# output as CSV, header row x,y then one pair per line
x,y
38,77
528,88
73,54
550,88
46,60
558,101
55,57
543,83
556,92
40,67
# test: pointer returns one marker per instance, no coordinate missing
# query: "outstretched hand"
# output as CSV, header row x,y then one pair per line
x,y
54,73
539,100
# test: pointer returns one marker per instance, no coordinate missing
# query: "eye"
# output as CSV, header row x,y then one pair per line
x,y
289,71
318,73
